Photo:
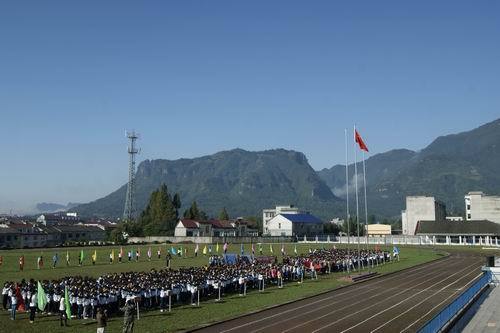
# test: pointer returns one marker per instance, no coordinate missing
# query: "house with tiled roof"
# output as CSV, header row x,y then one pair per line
x,y
187,228
213,228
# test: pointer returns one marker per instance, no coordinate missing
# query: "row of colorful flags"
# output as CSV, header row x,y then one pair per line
x,y
136,254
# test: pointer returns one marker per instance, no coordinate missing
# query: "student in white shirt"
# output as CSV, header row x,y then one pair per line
x,y
13,303
62,312
33,304
5,295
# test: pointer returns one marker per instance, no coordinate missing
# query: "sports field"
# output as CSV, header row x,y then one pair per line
x,y
182,317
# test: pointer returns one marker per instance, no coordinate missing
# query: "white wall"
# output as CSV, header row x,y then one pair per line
x,y
482,207
280,226
418,208
268,214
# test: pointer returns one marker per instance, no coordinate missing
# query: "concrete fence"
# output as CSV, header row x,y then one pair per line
x,y
492,241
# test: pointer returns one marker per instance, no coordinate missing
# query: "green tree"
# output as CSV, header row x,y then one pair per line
x,y
331,228
256,222
176,201
160,215
116,236
223,215
353,227
194,213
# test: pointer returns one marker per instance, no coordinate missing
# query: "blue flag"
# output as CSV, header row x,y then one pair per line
x,y
173,250
242,250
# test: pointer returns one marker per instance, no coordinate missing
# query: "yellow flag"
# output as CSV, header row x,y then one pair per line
x,y
205,249
113,255
217,247
94,256
271,248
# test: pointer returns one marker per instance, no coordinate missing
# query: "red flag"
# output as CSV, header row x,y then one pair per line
x,y
360,141
20,300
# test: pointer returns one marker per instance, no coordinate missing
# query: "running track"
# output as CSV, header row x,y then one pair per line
x,y
401,302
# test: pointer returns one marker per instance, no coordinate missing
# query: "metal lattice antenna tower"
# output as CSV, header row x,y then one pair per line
x,y
129,212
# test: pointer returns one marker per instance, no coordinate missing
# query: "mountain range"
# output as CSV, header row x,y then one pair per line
x,y
448,168
246,182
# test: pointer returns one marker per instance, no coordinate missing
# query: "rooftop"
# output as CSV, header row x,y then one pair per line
x,y
482,227
302,218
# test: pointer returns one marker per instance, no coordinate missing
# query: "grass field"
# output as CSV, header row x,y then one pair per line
x,y
181,317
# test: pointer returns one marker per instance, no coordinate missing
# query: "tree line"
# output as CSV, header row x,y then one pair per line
x,y
160,216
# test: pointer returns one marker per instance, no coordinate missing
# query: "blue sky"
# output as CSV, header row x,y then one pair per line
x,y
197,77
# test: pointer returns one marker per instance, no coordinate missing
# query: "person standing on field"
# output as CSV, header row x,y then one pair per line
x,y
33,304
128,316
62,312
102,319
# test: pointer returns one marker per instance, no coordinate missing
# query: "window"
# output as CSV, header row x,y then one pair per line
x,y
468,207
468,216
279,225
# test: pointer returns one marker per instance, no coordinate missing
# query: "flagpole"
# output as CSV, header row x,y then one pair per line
x,y
347,199
366,203
357,199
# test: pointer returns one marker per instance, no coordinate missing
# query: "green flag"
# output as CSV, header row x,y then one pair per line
x,y
66,302
41,297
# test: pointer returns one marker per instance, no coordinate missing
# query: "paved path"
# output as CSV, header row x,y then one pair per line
x,y
487,317
401,302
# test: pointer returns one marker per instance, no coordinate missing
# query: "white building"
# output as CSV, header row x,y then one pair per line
x,y
50,219
378,230
294,225
269,214
337,221
421,208
479,206
186,227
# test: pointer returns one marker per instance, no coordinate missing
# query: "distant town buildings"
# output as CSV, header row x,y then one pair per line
x,y
297,224
46,232
479,206
421,208
29,235
50,219
269,214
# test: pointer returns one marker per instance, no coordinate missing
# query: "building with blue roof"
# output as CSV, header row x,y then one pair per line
x,y
295,225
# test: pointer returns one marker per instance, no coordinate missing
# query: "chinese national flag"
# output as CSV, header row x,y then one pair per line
x,y
360,141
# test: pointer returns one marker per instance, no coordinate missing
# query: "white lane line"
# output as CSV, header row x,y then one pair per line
x,y
425,299
410,271
352,304
274,323
400,302
438,305
355,313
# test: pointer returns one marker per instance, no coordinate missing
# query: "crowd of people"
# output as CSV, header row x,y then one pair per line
x,y
111,294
